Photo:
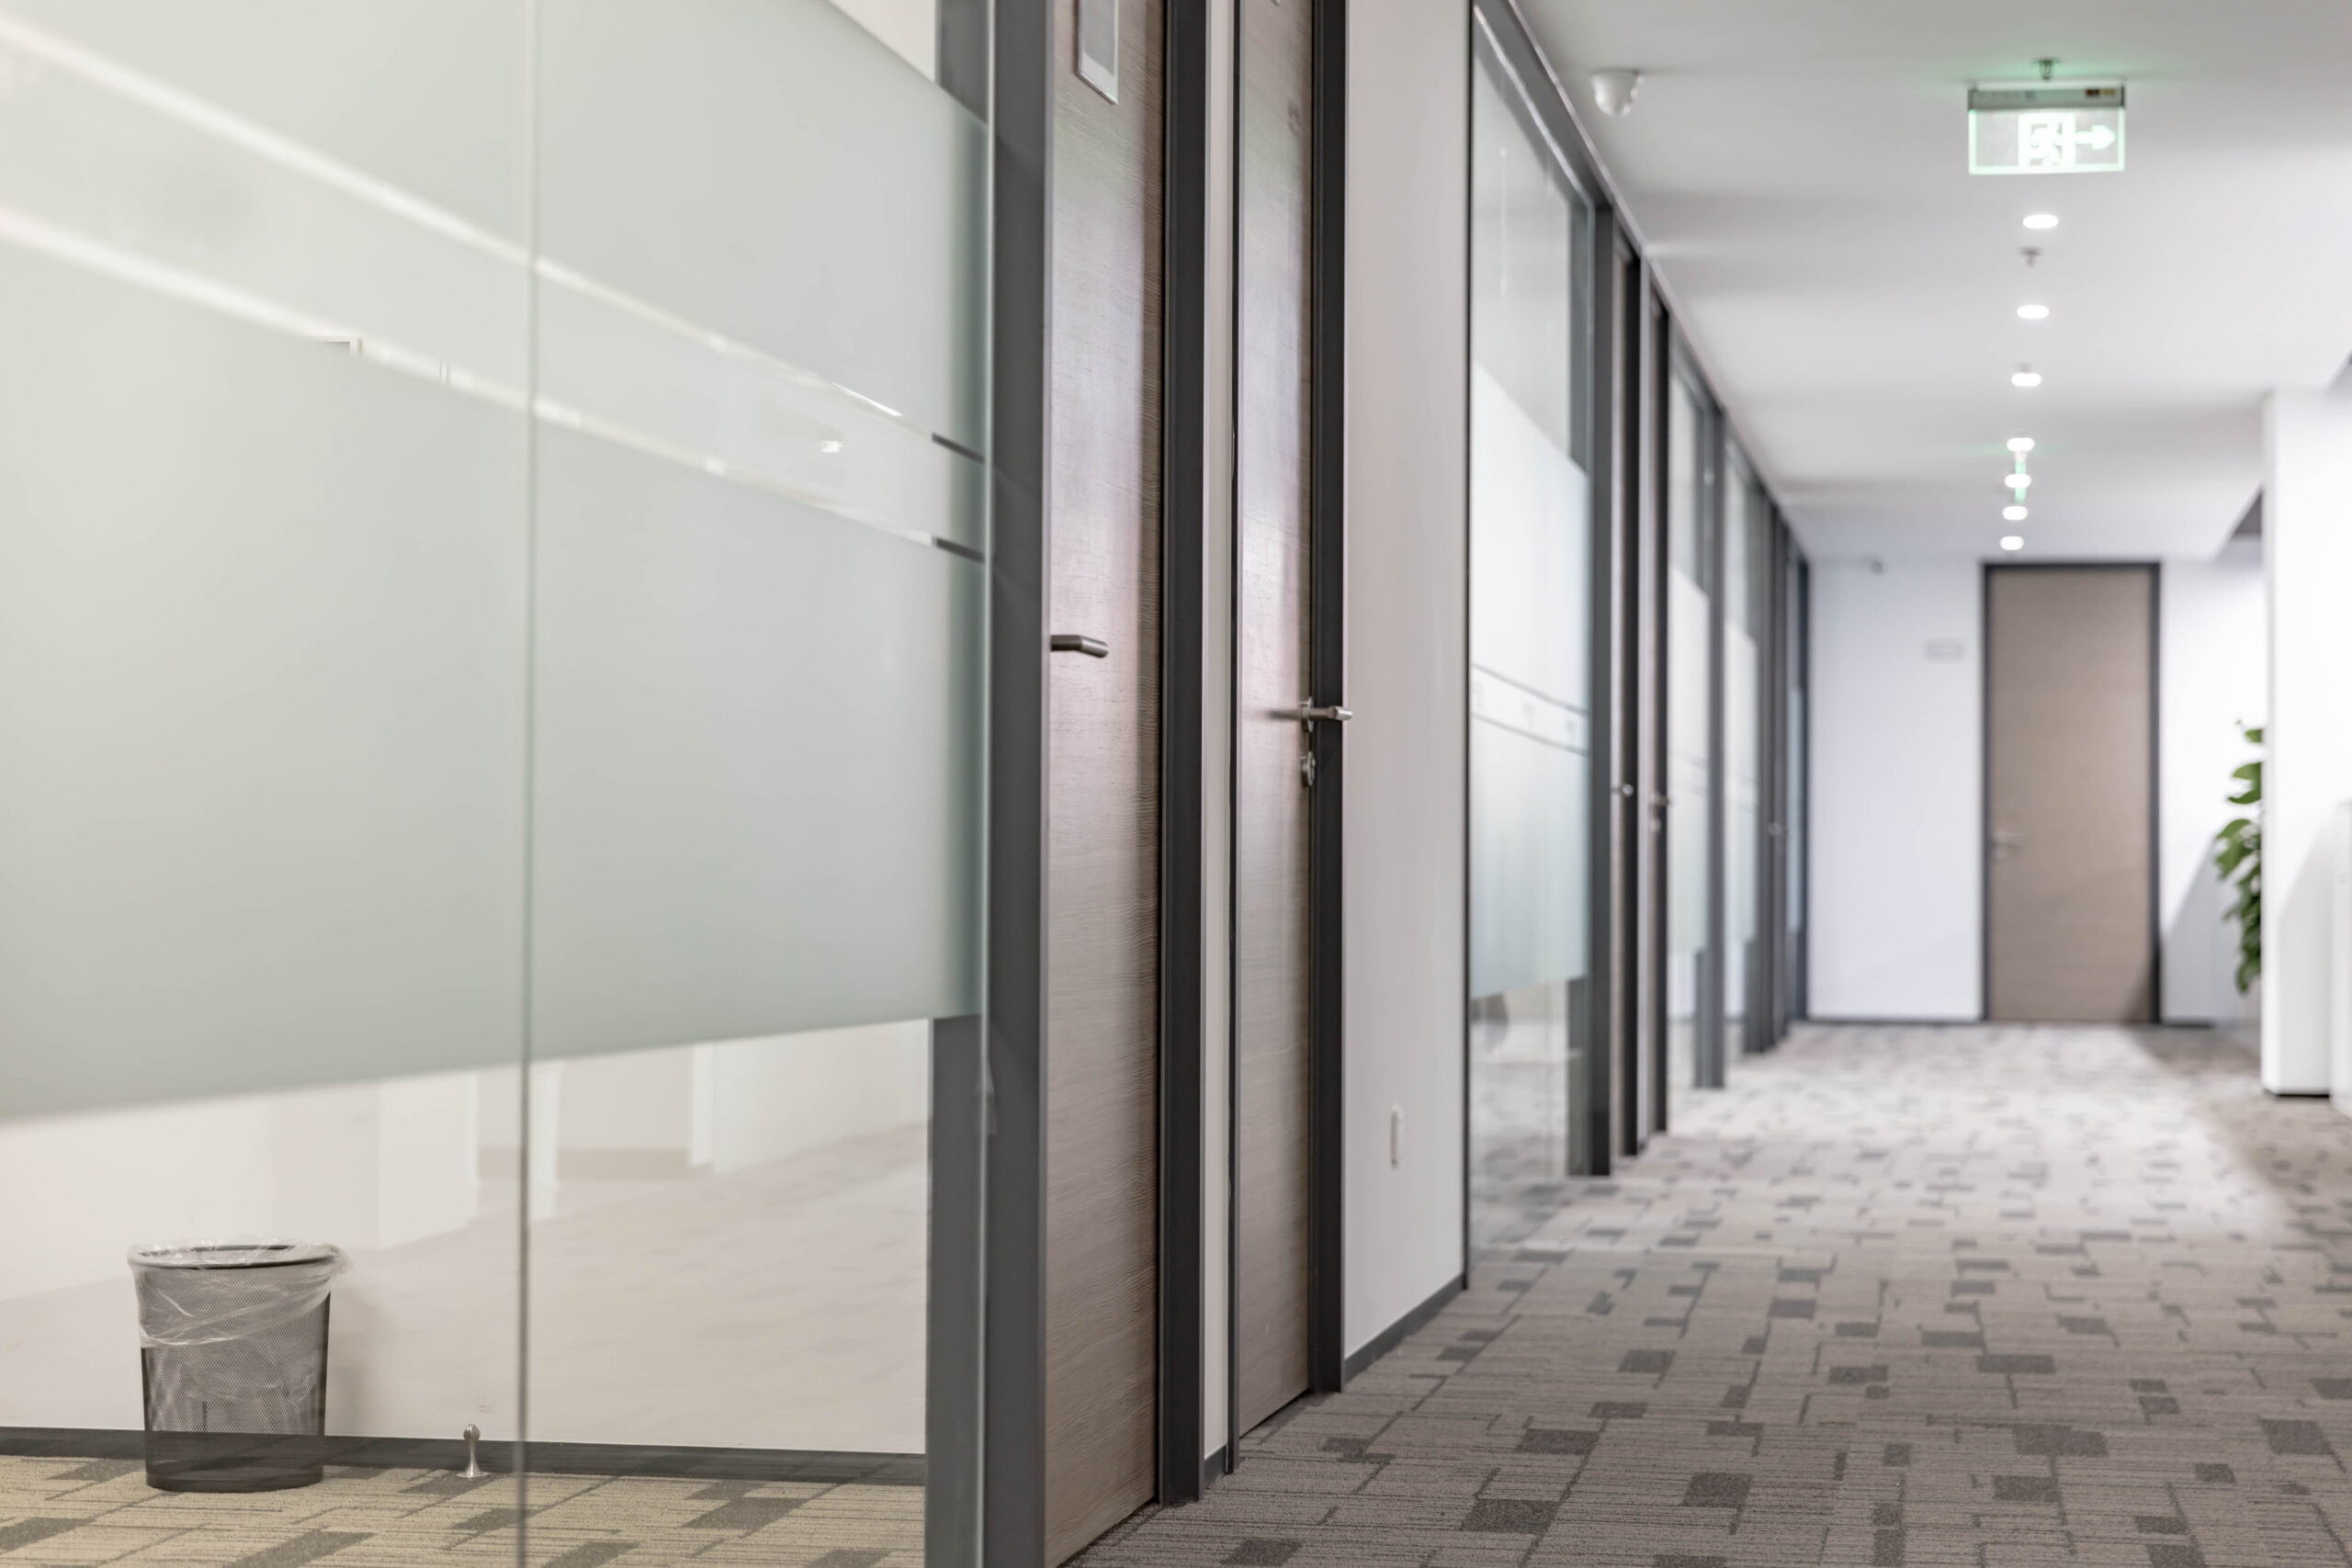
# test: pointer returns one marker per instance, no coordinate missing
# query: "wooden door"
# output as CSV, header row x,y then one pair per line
x,y
2069,852
1272,1227
1102,859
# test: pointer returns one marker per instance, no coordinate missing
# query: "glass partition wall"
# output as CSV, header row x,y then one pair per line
x,y
494,561
1692,1018
1530,586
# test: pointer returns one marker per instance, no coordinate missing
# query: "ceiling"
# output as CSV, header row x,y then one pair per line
x,y
1798,173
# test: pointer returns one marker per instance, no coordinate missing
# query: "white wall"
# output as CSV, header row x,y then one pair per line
x,y
2307,546
1407,394
1896,776
2210,680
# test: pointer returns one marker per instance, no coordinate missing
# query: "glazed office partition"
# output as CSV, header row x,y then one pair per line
x,y
496,540
1530,706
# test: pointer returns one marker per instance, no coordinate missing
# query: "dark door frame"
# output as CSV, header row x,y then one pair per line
x,y
1627,862
1326,460
1769,1006
1011,1467
1656,758
1183,784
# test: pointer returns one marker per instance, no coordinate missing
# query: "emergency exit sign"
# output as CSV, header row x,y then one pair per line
x,y
2046,127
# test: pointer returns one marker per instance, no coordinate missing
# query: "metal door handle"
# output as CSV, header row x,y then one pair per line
x,y
2005,843
1070,642
1309,713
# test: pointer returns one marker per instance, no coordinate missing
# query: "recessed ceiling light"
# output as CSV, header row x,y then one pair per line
x,y
2020,443
2033,312
2017,481
2025,379
2013,541
2013,514
2042,220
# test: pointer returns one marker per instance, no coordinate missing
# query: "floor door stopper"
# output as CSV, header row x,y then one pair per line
x,y
473,1471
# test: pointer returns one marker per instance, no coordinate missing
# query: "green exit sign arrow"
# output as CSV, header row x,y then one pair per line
x,y
2045,128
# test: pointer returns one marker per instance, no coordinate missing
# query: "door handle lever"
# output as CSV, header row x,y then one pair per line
x,y
1070,642
1309,713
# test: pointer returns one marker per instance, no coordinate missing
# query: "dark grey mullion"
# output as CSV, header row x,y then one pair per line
x,y
1596,368
1656,555
1774,769
955,1310
1625,395
1182,958
1326,602
1012,1511
1801,865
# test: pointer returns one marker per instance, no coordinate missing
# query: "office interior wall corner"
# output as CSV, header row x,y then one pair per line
x,y
2209,672
1407,352
2307,567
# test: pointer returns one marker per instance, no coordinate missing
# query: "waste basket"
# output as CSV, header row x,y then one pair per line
x,y
234,1358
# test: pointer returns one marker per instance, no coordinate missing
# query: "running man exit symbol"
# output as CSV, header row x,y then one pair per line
x,y
2074,128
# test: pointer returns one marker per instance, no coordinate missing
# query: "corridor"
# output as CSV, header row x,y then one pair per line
x,y
1970,1296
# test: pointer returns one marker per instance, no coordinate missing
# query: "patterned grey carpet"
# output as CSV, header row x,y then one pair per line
x,y
1996,1297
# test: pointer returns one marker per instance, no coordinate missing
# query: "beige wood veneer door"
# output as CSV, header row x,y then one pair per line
x,y
1102,773
2069,724
1272,1231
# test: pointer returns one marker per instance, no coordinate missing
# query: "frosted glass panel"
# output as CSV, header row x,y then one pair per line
x,y
1744,560
770,170
262,556
1689,611
761,519
1529,742
756,758
1530,630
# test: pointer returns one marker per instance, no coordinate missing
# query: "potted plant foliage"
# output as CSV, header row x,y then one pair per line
x,y
2237,855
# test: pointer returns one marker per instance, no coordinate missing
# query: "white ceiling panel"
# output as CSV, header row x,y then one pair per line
x,y
1798,172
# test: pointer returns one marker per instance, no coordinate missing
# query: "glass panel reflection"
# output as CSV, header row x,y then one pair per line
x,y
1529,544
1747,563
1690,609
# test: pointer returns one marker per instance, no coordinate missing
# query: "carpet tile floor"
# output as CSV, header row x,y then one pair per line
x,y
1992,1297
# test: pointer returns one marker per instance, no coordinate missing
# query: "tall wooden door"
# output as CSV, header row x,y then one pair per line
x,y
1103,961
2070,854
1273,778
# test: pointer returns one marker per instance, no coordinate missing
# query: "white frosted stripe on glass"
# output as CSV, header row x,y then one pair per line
x,y
97,150
756,764
772,170
426,98
261,653
290,239
1529,537
767,423
1527,859
1497,699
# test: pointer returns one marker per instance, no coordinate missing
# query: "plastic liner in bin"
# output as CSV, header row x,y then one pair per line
x,y
233,1356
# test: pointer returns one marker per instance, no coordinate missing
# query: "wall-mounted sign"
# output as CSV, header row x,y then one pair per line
x,y
2045,127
